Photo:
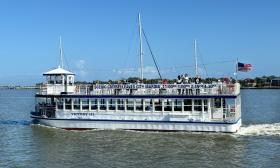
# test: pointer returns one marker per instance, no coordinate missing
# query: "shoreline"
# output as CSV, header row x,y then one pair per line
x,y
260,88
18,87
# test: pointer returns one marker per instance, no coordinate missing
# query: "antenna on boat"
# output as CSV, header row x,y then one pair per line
x,y
195,58
141,46
61,52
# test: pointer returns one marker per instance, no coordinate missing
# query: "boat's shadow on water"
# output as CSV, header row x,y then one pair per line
x,y
15,122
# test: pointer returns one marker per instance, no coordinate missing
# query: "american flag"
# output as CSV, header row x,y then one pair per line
x,y
244,67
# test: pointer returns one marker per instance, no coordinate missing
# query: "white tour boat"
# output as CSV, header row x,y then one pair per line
x,y
212,107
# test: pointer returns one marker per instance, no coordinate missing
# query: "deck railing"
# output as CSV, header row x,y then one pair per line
x,y
152,89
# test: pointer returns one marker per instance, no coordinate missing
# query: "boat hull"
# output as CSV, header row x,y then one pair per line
x,y
140,125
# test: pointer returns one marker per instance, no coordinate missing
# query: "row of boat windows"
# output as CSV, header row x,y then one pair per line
x,y
130,105
133,104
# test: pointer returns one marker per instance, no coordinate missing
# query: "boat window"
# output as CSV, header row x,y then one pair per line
x,y
158,105
205,105
60,103
102,104
187,104
197,105
139,104
85,104
148,105
93,104
130,104
68,105
167,105
77,104
49,101
178,105
70,80
217,103
58,79
112,104
41,101
120,103
50,79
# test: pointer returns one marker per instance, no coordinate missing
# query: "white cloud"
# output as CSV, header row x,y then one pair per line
x,y
80,65
125,72
149,72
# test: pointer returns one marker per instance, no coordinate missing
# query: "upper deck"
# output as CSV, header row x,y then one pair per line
x,y
215,89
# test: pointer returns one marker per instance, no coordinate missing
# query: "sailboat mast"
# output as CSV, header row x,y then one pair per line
x,y
141,46
195,58
61,52
236,69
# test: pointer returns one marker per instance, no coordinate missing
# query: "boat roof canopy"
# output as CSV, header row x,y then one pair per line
x,y
58,71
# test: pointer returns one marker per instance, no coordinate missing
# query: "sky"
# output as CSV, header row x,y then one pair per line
x,y
101,41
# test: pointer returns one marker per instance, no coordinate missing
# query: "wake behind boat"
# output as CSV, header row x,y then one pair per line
x,y
184,106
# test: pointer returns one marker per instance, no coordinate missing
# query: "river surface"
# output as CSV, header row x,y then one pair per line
x,y
23,144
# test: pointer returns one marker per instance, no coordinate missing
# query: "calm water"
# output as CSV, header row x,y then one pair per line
x,y
26,145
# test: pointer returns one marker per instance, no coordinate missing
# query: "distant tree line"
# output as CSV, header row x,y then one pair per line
x,y
261,82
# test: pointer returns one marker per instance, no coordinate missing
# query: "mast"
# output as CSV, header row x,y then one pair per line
x,y
61,52
236,69
141,46
195,58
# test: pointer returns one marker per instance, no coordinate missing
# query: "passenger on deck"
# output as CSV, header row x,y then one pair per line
x,y
226,80
165,82
179,81
220,86
197,81
185,81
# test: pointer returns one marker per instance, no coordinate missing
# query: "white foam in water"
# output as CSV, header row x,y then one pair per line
x,y
260,130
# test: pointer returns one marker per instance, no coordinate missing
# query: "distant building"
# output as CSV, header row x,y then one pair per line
x,y
249,82
275,82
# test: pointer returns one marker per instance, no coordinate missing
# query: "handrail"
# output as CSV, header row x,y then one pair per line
x,y
152,89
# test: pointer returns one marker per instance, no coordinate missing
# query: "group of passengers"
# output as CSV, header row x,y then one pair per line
x,y
185,79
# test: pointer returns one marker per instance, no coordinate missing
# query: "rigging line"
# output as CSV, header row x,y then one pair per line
x,y
200,55
146,39
66,60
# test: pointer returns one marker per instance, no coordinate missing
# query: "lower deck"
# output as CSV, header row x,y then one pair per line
x,y
217,109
